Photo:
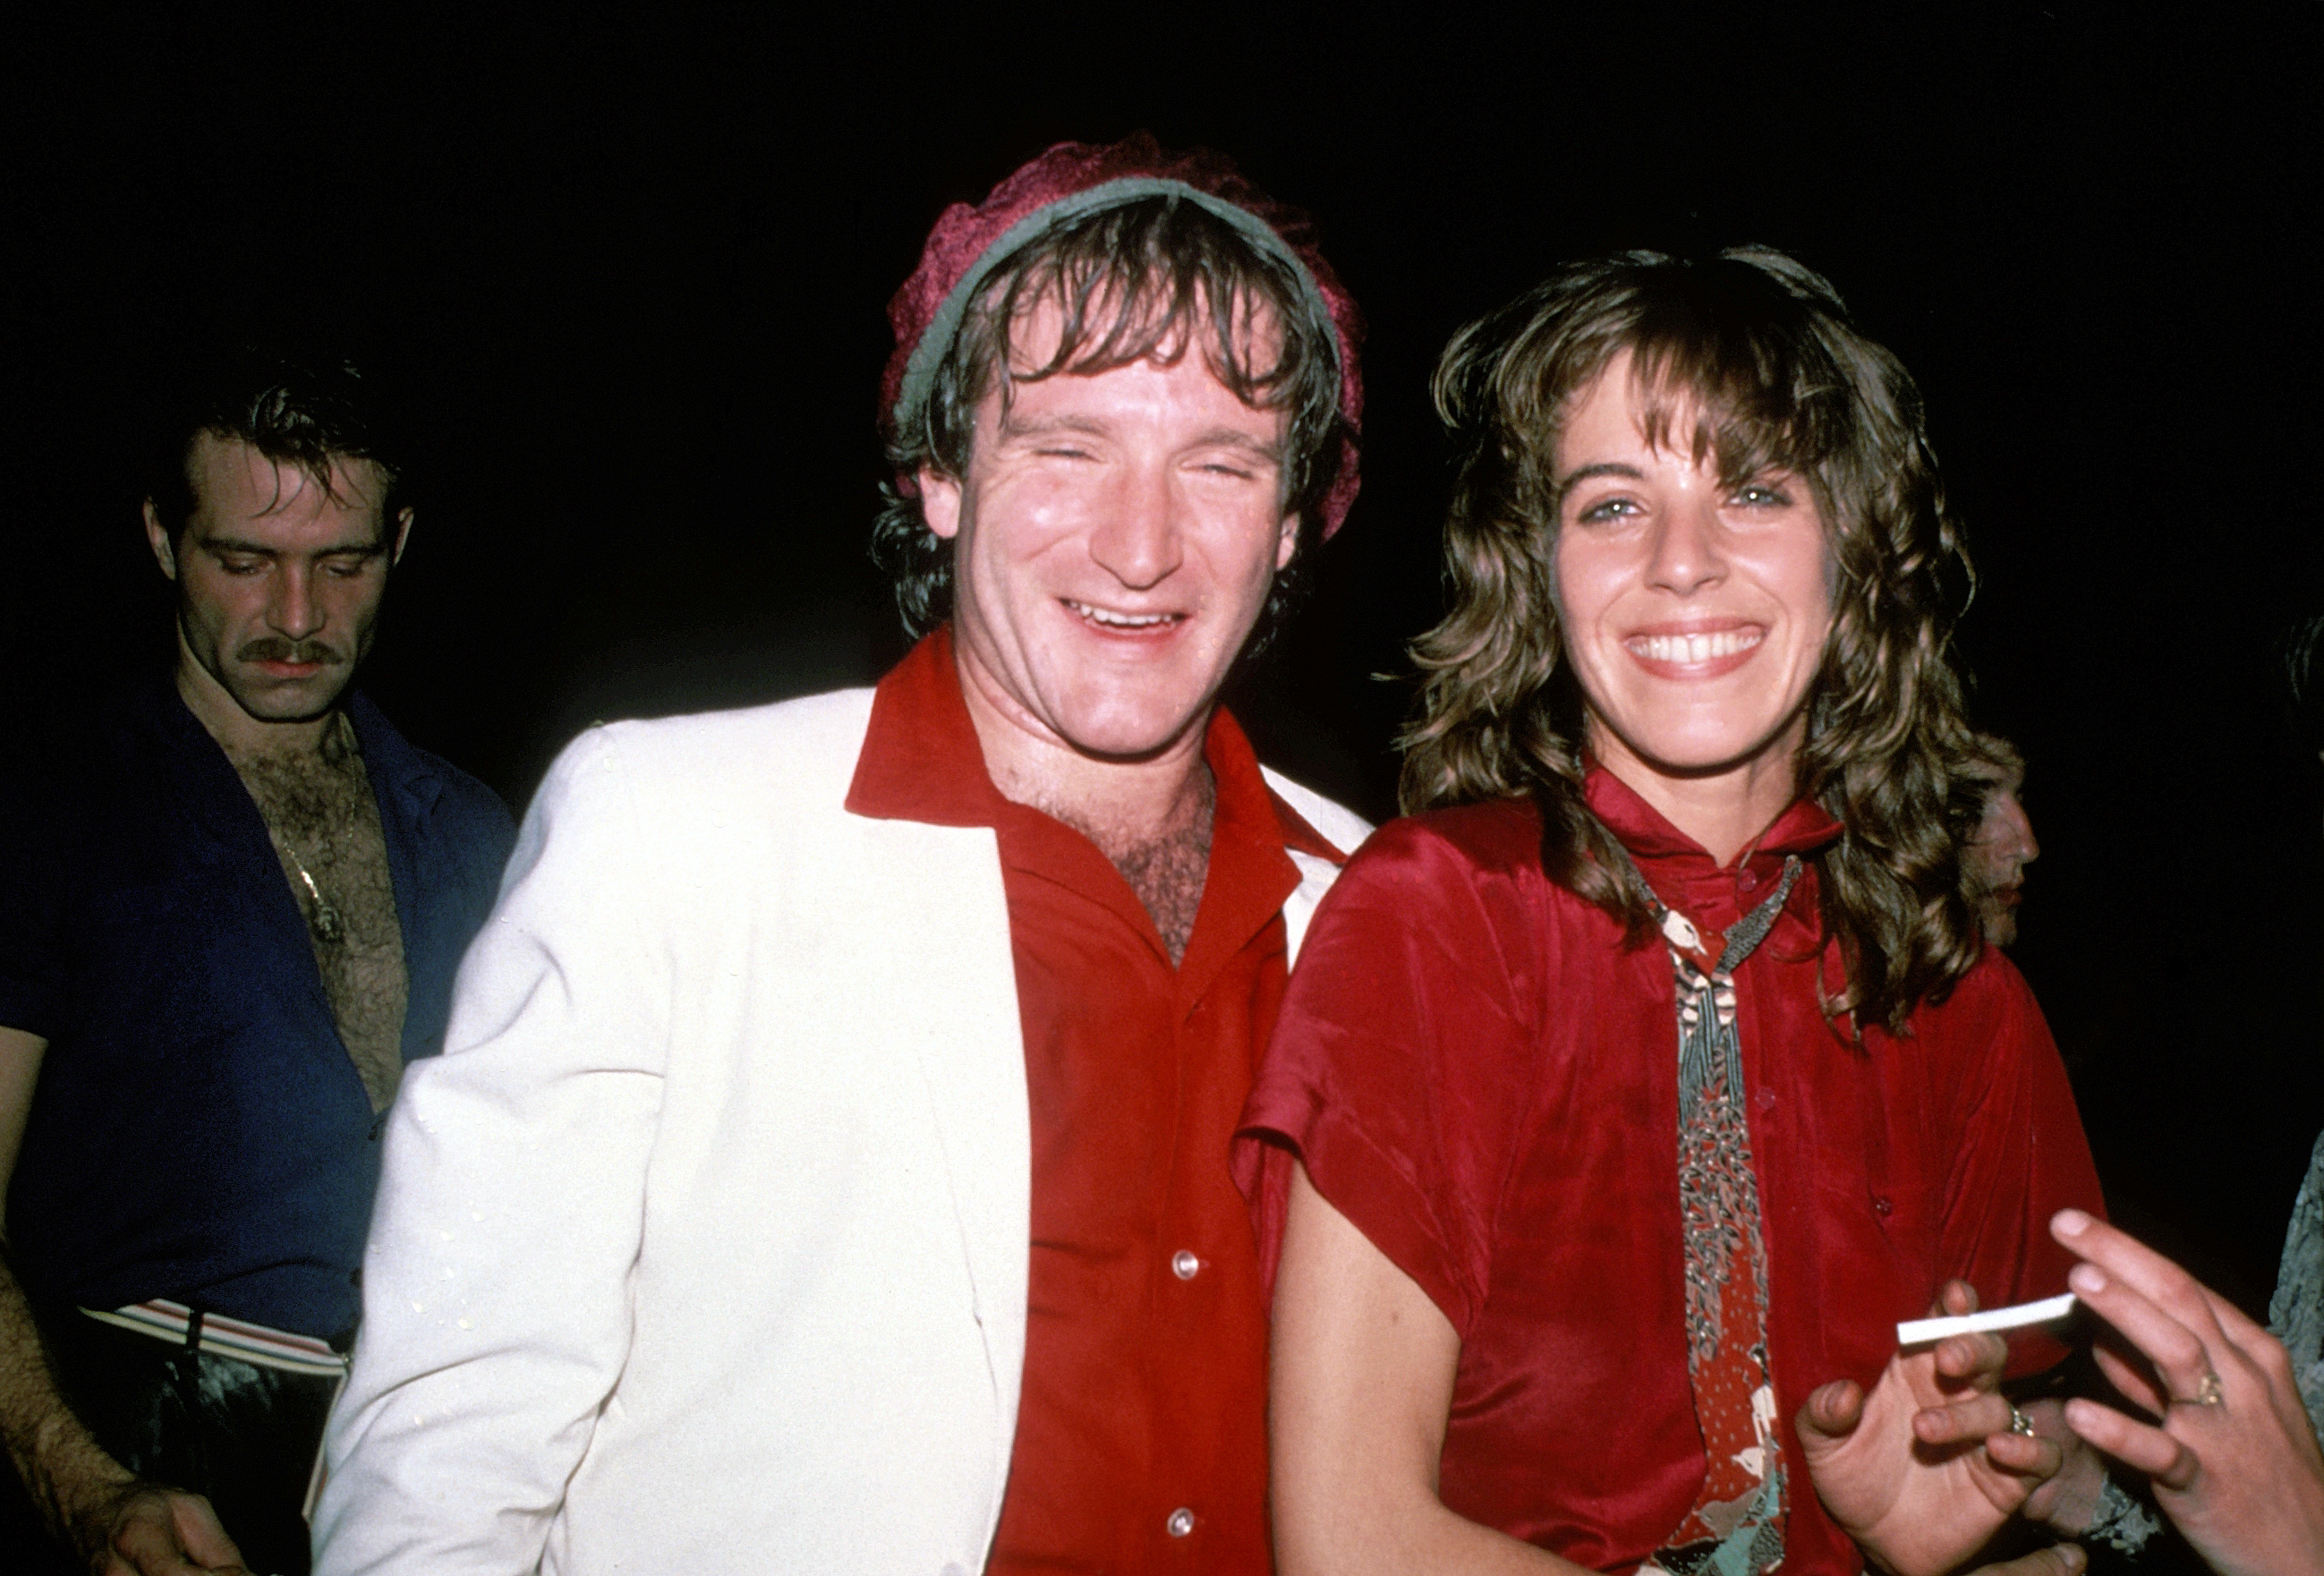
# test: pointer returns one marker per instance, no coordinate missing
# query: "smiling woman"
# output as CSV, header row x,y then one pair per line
x,y
1625,1099
1695,610
1738,372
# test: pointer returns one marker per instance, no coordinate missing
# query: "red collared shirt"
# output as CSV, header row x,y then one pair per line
x,y
1142,1440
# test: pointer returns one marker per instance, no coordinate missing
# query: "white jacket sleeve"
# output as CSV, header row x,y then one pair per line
x,y
497,1306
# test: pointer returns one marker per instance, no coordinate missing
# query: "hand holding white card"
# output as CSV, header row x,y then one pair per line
x,y
1917,1331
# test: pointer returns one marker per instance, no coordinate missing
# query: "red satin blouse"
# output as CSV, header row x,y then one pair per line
x,y
1479,1075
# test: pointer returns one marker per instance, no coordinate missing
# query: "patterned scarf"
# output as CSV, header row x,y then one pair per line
x,y
1736,1527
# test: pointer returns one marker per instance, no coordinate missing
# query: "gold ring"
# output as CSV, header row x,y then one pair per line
x,y
2209,1393
2020,1423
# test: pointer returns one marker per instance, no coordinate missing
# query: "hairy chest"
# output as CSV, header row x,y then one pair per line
x,y
324,825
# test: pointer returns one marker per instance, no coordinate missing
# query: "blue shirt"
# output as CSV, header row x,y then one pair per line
x,y
199,1131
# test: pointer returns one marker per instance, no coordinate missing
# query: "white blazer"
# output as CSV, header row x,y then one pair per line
x,y
703,1247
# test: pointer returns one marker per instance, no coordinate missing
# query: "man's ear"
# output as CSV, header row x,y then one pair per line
x,y
403,536
1287,546
165,552
940,503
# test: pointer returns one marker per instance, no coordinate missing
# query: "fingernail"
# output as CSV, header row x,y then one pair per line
x,y
2088,1279
2072,1557
2073,1223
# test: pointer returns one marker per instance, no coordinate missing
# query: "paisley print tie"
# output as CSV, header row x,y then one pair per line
x,y
1736,1527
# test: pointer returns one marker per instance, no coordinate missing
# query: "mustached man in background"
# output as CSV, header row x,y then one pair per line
x,y
234,904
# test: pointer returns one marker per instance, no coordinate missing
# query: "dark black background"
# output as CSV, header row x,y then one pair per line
x,y
632,270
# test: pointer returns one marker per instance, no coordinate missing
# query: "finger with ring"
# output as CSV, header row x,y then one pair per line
x,y
2209,1393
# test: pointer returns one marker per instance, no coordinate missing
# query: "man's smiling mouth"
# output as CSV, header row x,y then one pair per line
x,y
1106,618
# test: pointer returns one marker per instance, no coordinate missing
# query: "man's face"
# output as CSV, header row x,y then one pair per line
x,y
279,583
1998,854
1114,541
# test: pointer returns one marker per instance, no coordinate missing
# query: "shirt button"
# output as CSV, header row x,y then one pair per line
x,y
1184,1265
1880,1204
1181,1523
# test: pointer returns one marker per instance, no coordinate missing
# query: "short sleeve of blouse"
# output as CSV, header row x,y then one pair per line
x,y
2014,1142
1396,1069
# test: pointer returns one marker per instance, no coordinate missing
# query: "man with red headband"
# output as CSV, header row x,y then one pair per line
x,y
836,1074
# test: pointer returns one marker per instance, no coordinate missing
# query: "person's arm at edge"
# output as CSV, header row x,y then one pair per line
x,y
1361,1386
91,1501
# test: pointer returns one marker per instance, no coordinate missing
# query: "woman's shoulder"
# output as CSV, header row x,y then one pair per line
x,y
1468,879
1497,835
1989,1008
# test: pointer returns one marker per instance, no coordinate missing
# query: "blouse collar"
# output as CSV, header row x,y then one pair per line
x,y
1651,839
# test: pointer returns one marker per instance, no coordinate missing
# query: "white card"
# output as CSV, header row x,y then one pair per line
x,y
1919,1331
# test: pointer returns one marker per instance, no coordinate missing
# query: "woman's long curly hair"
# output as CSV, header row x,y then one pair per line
x,y
1759,349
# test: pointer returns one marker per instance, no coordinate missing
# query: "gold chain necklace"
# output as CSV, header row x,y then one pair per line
x,y
325,921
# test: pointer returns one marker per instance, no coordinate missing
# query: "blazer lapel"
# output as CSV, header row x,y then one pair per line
x,y
962,978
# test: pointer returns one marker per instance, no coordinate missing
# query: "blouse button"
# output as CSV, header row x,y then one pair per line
x,y
1184,1266
1181,1523
1880,1204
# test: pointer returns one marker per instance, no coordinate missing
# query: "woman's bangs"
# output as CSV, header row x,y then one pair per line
x,y
1728,399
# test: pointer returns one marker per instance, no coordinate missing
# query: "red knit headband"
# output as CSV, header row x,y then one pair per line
x,y
1074,179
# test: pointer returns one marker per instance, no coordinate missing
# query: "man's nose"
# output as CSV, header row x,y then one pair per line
x,y
292,608
1137,540
2027,849
1685,546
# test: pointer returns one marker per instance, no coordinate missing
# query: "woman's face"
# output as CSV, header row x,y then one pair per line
x,y
1695,612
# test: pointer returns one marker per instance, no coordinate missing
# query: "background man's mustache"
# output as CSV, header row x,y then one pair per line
x,y
274,649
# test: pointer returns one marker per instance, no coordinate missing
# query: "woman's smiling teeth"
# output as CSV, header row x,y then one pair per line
x,y
1121,621
1703,647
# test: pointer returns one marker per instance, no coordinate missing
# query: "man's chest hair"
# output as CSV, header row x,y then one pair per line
x,y
326,828
322,818
1168,870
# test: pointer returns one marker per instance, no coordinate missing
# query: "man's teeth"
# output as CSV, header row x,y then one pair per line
x,y
1121,621
1694,647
